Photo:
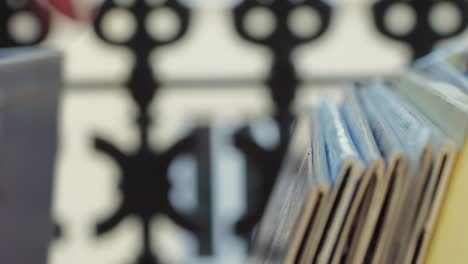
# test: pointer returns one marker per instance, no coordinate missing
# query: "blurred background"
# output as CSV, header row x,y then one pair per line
x,y
210,78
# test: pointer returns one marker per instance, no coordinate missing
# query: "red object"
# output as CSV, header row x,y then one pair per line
x,y
67,8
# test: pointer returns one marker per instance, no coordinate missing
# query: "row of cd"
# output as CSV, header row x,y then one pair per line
x,y
372,178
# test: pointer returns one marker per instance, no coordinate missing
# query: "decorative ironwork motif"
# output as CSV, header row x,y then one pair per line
x,y
13,9
423,36
282,82
145,185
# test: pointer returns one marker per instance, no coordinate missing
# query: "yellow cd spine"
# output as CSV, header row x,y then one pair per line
x,y
449,242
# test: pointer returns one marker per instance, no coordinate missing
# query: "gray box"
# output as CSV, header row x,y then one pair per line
x,y
30,84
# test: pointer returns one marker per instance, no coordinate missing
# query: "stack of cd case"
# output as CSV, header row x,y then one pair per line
x,y
378,177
